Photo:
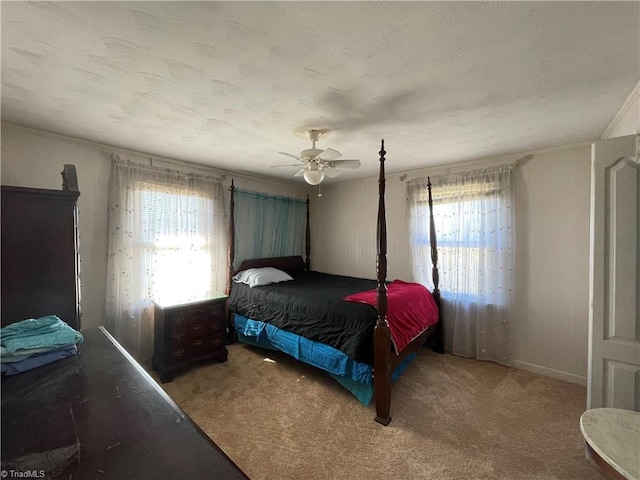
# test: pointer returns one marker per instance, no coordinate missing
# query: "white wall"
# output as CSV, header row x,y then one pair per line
x,y
550,332
552,244
34,159
343,223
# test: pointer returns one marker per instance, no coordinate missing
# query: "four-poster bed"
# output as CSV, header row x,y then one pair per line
x,y
312,296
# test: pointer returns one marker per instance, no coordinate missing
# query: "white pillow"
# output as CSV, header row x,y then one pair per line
x,y
255,277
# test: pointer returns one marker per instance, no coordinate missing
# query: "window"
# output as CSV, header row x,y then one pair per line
x,y
170,246
474,226
462,230
167,243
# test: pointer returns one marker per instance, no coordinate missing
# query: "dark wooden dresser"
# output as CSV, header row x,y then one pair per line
x,y
188,333
40,261
99,415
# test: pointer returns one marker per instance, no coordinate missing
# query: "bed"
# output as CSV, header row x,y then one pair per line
x,y
338,323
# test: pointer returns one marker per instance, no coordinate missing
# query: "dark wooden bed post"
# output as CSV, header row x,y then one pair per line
x,y
232,238
308,241
381,336
230,257
438,340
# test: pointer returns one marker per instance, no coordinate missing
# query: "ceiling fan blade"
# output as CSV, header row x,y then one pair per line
x,y
288,165
331,172
300,173
329,154
290,155
345,163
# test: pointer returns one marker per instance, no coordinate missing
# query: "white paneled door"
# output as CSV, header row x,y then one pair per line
x,y
614,323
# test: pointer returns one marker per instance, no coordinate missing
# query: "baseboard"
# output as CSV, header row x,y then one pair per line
x,y
550,372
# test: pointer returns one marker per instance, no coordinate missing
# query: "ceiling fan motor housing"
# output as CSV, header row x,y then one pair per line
x,y
310,153
314,135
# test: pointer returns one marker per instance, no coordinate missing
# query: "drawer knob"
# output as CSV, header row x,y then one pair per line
x,y
198,342
178,353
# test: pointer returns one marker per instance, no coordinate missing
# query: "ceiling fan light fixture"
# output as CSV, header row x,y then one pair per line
x,y
313,177
317,163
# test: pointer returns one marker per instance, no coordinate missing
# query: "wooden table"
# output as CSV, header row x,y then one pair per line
x,y
612,439
100,415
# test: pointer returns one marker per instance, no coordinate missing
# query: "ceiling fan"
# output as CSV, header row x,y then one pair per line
x,y
318,163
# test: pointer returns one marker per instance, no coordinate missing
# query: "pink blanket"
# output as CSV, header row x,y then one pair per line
x,y
411,309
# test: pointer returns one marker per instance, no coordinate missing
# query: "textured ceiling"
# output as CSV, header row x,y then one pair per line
x,y
230,84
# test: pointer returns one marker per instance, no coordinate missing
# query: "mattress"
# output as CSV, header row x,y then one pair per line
x,y
312,306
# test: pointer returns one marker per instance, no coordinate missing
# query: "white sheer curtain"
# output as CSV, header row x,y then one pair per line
x,y
167,242
473,213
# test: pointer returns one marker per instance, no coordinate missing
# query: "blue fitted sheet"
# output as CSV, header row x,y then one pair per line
x,y
355,376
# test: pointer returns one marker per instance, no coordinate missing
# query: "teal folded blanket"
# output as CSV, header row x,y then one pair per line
x,y
37,333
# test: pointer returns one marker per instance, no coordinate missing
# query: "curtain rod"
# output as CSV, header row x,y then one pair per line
x,y
164,168
464,168
251,193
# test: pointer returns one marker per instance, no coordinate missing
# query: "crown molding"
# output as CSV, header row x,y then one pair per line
x,y
623,111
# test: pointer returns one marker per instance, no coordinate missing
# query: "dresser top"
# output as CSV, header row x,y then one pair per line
x,y
194,303
614,434
102,408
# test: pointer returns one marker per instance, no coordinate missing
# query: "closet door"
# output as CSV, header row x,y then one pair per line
x,y
39,255
614,317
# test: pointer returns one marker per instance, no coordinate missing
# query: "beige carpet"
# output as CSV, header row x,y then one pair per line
x,y
453,418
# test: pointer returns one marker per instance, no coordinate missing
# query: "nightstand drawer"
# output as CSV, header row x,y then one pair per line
x,y
217,341
190,348
197,327
217,310
217,328
193,324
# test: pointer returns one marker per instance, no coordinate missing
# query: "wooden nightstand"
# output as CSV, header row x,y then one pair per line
x,y
187,333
